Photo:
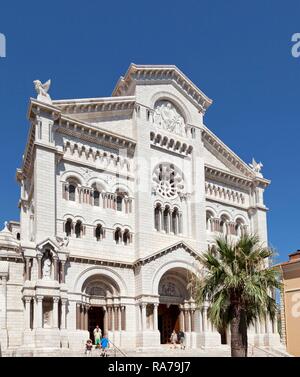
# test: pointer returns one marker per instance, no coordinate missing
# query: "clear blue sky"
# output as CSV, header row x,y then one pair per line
x,y
237,52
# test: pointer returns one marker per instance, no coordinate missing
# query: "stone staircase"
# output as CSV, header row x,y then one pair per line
x,y
163,351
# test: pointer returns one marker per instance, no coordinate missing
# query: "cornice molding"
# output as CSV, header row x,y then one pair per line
x,y
95,105
70,126
166,74
246,173
225,176
168,249
95,134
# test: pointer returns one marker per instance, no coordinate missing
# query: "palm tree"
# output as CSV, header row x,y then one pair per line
x,y
238,285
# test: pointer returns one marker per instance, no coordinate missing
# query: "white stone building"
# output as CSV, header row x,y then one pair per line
x,y
119,195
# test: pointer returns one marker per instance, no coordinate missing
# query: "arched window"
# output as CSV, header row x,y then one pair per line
x,y
18,236
72,190
126,237
99,232
209,219
119,199
68,227
118,235
78,229
167,219
96,196
175,221
157,217
119,202
240,228
224,225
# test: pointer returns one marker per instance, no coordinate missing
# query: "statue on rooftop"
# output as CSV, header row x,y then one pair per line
x,y
42,90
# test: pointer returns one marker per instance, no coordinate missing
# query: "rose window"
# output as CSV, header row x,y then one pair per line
x,y
168,181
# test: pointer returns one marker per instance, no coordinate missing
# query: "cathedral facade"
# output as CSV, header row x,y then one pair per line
x,y
119,197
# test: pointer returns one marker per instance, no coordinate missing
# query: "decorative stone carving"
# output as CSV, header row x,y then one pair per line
x,y
42,91
97,291
256,166
47,268
168,289
167,117
167,181
62,241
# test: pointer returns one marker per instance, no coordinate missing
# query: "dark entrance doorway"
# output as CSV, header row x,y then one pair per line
x,y
168,320
95,317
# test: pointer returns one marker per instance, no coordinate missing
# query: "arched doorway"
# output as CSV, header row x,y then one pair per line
x,y
168,320
174,296
102,305
95,317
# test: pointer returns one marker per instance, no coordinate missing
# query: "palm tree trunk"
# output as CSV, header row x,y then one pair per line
x,y
238,327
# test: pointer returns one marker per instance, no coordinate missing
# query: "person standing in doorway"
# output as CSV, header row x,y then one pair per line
x,y
181,338
97,336
173,338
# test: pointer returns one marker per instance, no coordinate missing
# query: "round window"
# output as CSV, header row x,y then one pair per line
x,y
168,181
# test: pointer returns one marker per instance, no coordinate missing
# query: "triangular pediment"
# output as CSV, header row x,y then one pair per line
x,y
161,74
169,249
218,155
48,242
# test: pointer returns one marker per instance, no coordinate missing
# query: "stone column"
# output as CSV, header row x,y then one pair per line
x,y
27,275
155,317
204,317
4,305
55,312
77,316
86,317
275,324
185,318
144,317
112,318
82,317
63,314
27,312
269,325
108,308
182,320
192,313
189,319
119,319
200,320
39,266
63,271
105,320
123,315
39,311
55,264
262,326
